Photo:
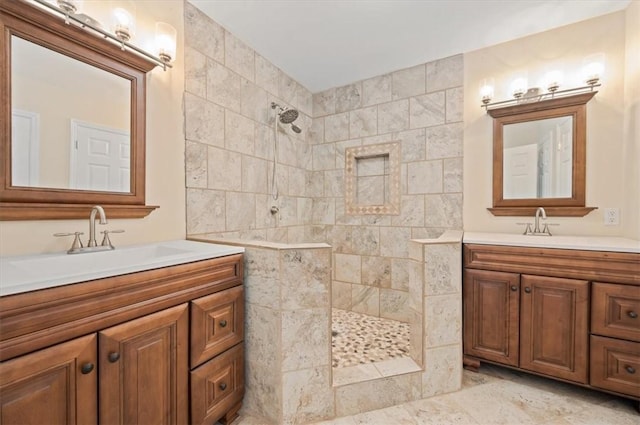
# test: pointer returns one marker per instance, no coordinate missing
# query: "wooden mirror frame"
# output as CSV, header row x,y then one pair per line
x,y
47,30
574,106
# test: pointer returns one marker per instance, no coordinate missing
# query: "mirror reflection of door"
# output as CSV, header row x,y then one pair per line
x,y
25,151
99,158
520,172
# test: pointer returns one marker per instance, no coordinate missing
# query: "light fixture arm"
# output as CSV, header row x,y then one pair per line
x,y
125,45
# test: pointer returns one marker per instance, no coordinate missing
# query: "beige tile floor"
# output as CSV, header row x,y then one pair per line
x,y
500,396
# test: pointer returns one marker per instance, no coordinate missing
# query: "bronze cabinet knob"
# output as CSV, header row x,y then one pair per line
x,y
113,357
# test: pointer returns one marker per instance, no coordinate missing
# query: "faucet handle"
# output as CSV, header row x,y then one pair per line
x,y
77,243
106,241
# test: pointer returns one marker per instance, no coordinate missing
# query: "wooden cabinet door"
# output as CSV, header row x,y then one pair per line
x,y
554,327
56,385
491,315
144,369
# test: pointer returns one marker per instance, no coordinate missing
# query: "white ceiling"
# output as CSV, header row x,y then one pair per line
x,y
330,43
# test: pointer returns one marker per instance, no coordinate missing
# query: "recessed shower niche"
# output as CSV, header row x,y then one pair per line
x,y
372,179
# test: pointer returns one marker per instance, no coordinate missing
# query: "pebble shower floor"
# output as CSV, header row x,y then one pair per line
x,y
360,339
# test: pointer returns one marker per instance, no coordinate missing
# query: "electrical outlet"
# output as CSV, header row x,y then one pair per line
x,y
611,216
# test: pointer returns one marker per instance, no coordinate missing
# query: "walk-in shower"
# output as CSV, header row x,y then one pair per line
x,y
284,116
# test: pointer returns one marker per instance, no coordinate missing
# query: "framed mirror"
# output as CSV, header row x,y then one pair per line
x,y
539,157
73,120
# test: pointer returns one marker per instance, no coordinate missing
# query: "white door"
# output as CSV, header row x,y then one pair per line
x,y
520,172
25,148
100,158
564,163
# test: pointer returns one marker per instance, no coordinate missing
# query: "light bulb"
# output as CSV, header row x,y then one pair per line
x,y
166,41
486,90
553,80
123,24
519,87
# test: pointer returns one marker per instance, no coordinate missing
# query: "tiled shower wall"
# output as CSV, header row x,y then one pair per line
x,y
229,130
420,107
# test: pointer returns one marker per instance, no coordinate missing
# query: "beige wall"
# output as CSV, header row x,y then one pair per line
x,y
165,157
632,122
607,145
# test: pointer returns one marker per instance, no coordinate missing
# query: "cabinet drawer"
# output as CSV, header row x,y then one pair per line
x,y
217,386
217,323
616,311
615,365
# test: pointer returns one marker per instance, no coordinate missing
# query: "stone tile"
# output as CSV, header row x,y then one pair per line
x,y
309,395
444,211
416,342
393,116
224,169
352,374
204,121
324,157
254,174
336,127
324,211
305,278
395,415
394,241
341,147
411,212
427,110
288,88
365,240
424,177
223,86
444,141
397,366
239,133
454,107
240,211
443,320
324,103
264,142
267,75
296,181
305,101
376,90
362,122
434,411
340,238
443,372
314,184
393,305
453,175
376,271
305,339
347,268
262,393
315,133
253,102
205,211
413,144
334,183
445,73
203,34
262,274
409,82
196,165
348,97
239,57
365,299
443,269
195,78
401,273
341,295
380,393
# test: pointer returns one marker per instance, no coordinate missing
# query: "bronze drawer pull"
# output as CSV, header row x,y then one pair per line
x,y
630,369
223,386
113,357
514,288
86,368
632,314
223,323
527,290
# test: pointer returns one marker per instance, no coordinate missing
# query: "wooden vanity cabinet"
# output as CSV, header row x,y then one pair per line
x,y
547,311
118,350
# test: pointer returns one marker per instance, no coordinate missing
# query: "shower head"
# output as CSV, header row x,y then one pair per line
x,y
287,116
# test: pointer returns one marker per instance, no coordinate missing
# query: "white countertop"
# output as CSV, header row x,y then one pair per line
x,y
32,272
589,243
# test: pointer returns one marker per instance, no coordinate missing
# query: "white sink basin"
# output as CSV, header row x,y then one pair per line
x,y
32,272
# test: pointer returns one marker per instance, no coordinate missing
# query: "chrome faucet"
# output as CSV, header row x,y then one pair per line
x,y
536,226
92,224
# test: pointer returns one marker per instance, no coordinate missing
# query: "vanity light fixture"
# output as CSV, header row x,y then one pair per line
x,y
593,68
123,24
122,34
486,90
553,80
166,41
519,87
